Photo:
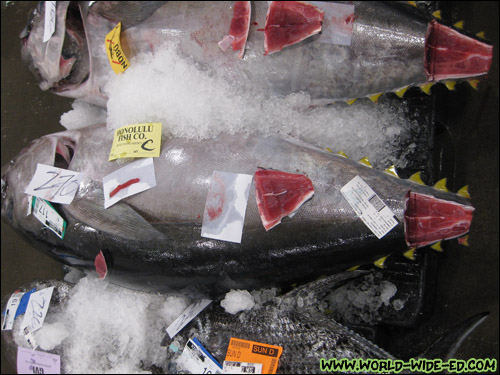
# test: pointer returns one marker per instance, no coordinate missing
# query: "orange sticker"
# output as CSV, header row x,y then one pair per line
x,y
254,352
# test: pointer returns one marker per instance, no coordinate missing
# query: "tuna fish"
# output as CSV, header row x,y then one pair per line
x,y
385,48
152,239
293,321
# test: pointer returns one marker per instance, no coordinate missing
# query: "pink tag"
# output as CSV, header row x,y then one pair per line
x,y
35,362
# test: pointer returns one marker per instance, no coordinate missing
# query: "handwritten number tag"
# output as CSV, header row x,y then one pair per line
x,y
54,184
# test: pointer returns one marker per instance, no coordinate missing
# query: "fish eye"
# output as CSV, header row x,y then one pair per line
x,y
64,154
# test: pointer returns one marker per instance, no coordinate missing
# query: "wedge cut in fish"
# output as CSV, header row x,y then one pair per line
x,y
152,240
280,194
238,31
390,47
290,22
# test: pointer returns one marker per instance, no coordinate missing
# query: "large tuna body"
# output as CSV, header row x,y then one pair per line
x,y
390,48
153,238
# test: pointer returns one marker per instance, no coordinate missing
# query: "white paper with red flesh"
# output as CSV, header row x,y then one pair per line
x,y
290,22
280,194
428,220
238,31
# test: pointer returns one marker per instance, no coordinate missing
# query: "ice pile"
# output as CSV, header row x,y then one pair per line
x,y
192,102
362,302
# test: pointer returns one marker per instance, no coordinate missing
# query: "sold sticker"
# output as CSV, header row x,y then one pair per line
x,y
119,63
254,352
137,141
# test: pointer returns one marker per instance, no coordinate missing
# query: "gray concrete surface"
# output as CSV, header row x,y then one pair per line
x,y
468,276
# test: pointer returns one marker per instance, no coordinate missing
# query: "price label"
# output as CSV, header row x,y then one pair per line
x,y
197,360
48,216
369,207
54,184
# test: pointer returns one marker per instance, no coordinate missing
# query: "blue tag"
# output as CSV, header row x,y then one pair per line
x,y
24,303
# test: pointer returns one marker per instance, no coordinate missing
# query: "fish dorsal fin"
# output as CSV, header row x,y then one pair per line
x,y
119,220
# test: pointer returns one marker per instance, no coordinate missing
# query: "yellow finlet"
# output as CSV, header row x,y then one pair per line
x,y
441,185
464,241
437,246
374,97
350,101
366,162
401,91
474,83
464,192
481,35
437,14
343,154
380,262
392,171
328,149
426,88
459,25
354,268
413,3
416,178
410,254
450,85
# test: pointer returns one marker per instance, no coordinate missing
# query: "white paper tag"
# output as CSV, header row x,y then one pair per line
x,y
54,184
35,362
10,310
369,207
197,360
225,207
36,310
49,217
188,315
132,179
30,205
230,367
50,20
337,23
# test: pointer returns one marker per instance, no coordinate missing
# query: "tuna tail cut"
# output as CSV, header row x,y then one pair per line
x,y
428,219
451,55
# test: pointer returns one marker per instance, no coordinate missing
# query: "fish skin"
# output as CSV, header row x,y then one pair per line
x,y
152,239
386,54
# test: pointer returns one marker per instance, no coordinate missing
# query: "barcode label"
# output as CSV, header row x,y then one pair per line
x,y
369,207
273,365
376,202
241,344
230,367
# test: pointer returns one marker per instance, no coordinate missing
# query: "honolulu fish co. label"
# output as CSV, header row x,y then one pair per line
x,y
137,141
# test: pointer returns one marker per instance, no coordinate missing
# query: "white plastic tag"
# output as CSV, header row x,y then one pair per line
x,y
230,367
338,23
10,310
225,207
369,207
48,216
29,336
188,315
50,20
129,180
35,362
197,360
54,184
36,310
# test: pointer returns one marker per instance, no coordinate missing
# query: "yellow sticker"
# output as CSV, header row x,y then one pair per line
x,y
254,352
137,141
116,57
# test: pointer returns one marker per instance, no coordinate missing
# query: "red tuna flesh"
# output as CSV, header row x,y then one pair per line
x,y
449,54
100,265
289,22
280,194
429,220
238,31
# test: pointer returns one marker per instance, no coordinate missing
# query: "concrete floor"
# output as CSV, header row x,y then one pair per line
x,y
468,276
